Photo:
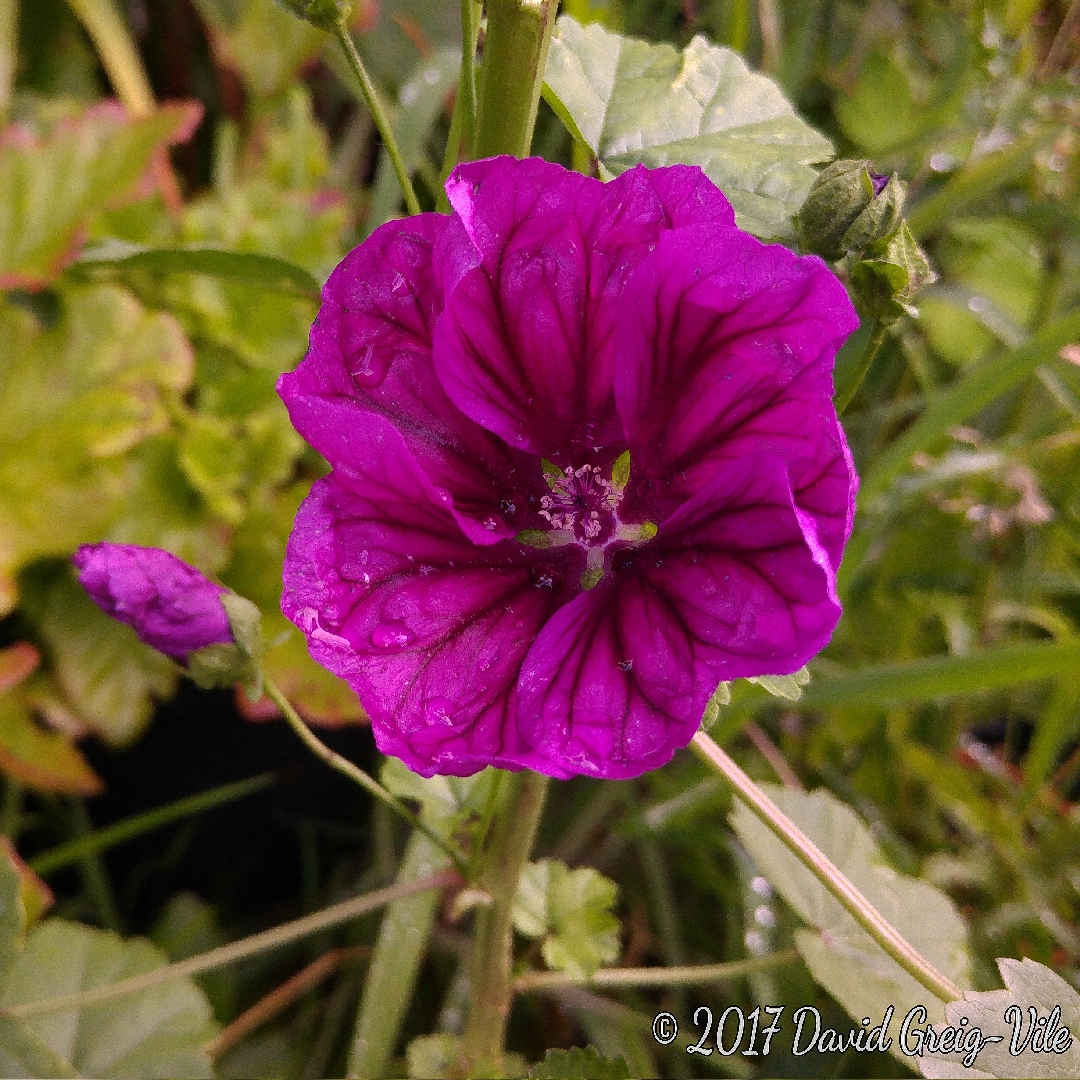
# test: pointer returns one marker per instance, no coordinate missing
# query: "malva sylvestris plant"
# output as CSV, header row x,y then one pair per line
x,y
585,467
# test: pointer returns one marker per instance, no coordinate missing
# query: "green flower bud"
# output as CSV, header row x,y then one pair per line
x,y
325,14
848,208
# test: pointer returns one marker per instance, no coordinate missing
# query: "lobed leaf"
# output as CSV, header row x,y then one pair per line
x,y
630,101
579,1063
571,910
52,185
841,956
1028,985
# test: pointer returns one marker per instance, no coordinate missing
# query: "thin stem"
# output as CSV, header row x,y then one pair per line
x,y
280,998
515,52
118,54
771,753
240,950
94,875
357,775
485,824
845,393
815,860
99,840
378,114
470,31
492,951
769,21
694,975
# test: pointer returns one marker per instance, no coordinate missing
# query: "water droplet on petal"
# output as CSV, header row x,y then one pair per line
x,y
391,635
442,495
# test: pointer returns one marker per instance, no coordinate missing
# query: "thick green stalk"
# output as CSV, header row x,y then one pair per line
x,y
492,951
515,52
356,774
826,871
9,54
391,976
335,915
378,114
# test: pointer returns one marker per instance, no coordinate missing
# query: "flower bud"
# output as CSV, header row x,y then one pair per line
x,y
848,208
325,14
175,609
884,283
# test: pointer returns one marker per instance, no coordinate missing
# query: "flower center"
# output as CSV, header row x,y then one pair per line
x,y
582,503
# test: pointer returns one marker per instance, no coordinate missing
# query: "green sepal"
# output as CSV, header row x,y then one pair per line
x,y
879,220
884,283
223,665
721,698
788,687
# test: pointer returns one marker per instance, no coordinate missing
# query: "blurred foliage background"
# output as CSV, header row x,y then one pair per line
x,y
137,405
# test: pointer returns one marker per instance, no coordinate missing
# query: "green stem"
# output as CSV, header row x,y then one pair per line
x,y
118,54
93,843
95,877
853,380
346,911
515,52
378,114
815,860
470,31
357,775
492,950
693,975
9,54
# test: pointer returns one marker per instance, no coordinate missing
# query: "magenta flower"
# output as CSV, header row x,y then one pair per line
x,y
170,605
585,467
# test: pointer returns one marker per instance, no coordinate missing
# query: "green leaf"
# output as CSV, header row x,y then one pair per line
x,y
265,271
572,911
51,186
630,101
154,1033
841,956
579,1064
261,41
74,399
788,687
110,678
1028,985
23,1053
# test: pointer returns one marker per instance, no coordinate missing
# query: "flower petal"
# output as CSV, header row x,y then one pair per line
x,y
369,361
428,628
525,345
734,584
727,348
